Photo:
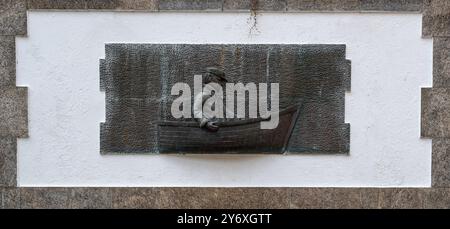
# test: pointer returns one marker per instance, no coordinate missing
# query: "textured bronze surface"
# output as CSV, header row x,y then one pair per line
x,y
137,79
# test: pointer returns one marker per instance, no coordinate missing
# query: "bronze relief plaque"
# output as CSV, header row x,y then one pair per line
x,y
139,81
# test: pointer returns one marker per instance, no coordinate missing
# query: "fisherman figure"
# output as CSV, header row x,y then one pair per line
x,y
212,78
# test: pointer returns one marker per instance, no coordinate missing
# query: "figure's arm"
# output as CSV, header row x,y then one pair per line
x,y
198,109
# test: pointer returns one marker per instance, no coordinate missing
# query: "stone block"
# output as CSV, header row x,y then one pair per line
x,y
436,18
256,5
440,169
253,198
56,4
323,5
14,115
402,198
90,198
435,112
312,198
182,5
8,161
44,198
10,198
391,5
437,198
13,17
135,198
441,62
355,198
147,5
7,61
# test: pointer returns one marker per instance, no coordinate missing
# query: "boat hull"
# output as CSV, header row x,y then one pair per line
x,y
240,137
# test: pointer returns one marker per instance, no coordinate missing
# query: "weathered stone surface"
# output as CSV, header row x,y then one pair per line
x,y
14,113
437,198
441,62
334,198
139,77
240,198
10,198
56,4
402,198
355,198
436,18
201,198
227,198
13,17
8,161
189,198
98,198
7,61
148,5
214,5
435,112
312,198
391,5
258,5
44,198
102,4
139,198
323,5
441,163
253,198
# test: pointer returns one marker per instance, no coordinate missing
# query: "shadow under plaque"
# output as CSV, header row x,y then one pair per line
x,y
138,79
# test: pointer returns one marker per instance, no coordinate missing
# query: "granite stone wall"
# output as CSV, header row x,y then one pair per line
x,y
435,118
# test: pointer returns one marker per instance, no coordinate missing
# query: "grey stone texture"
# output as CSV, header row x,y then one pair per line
x,y
88,198
255,5
402,198
391,5
232,5
146,5
136,198
440,169
14,112
181,5
436,100
436,198
137,79
323,5
435,112
195,198
436,18
13,17
441,62
8,161
7,61
225,198
56,4
9,198
333,198
44,198
307,198
354,5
